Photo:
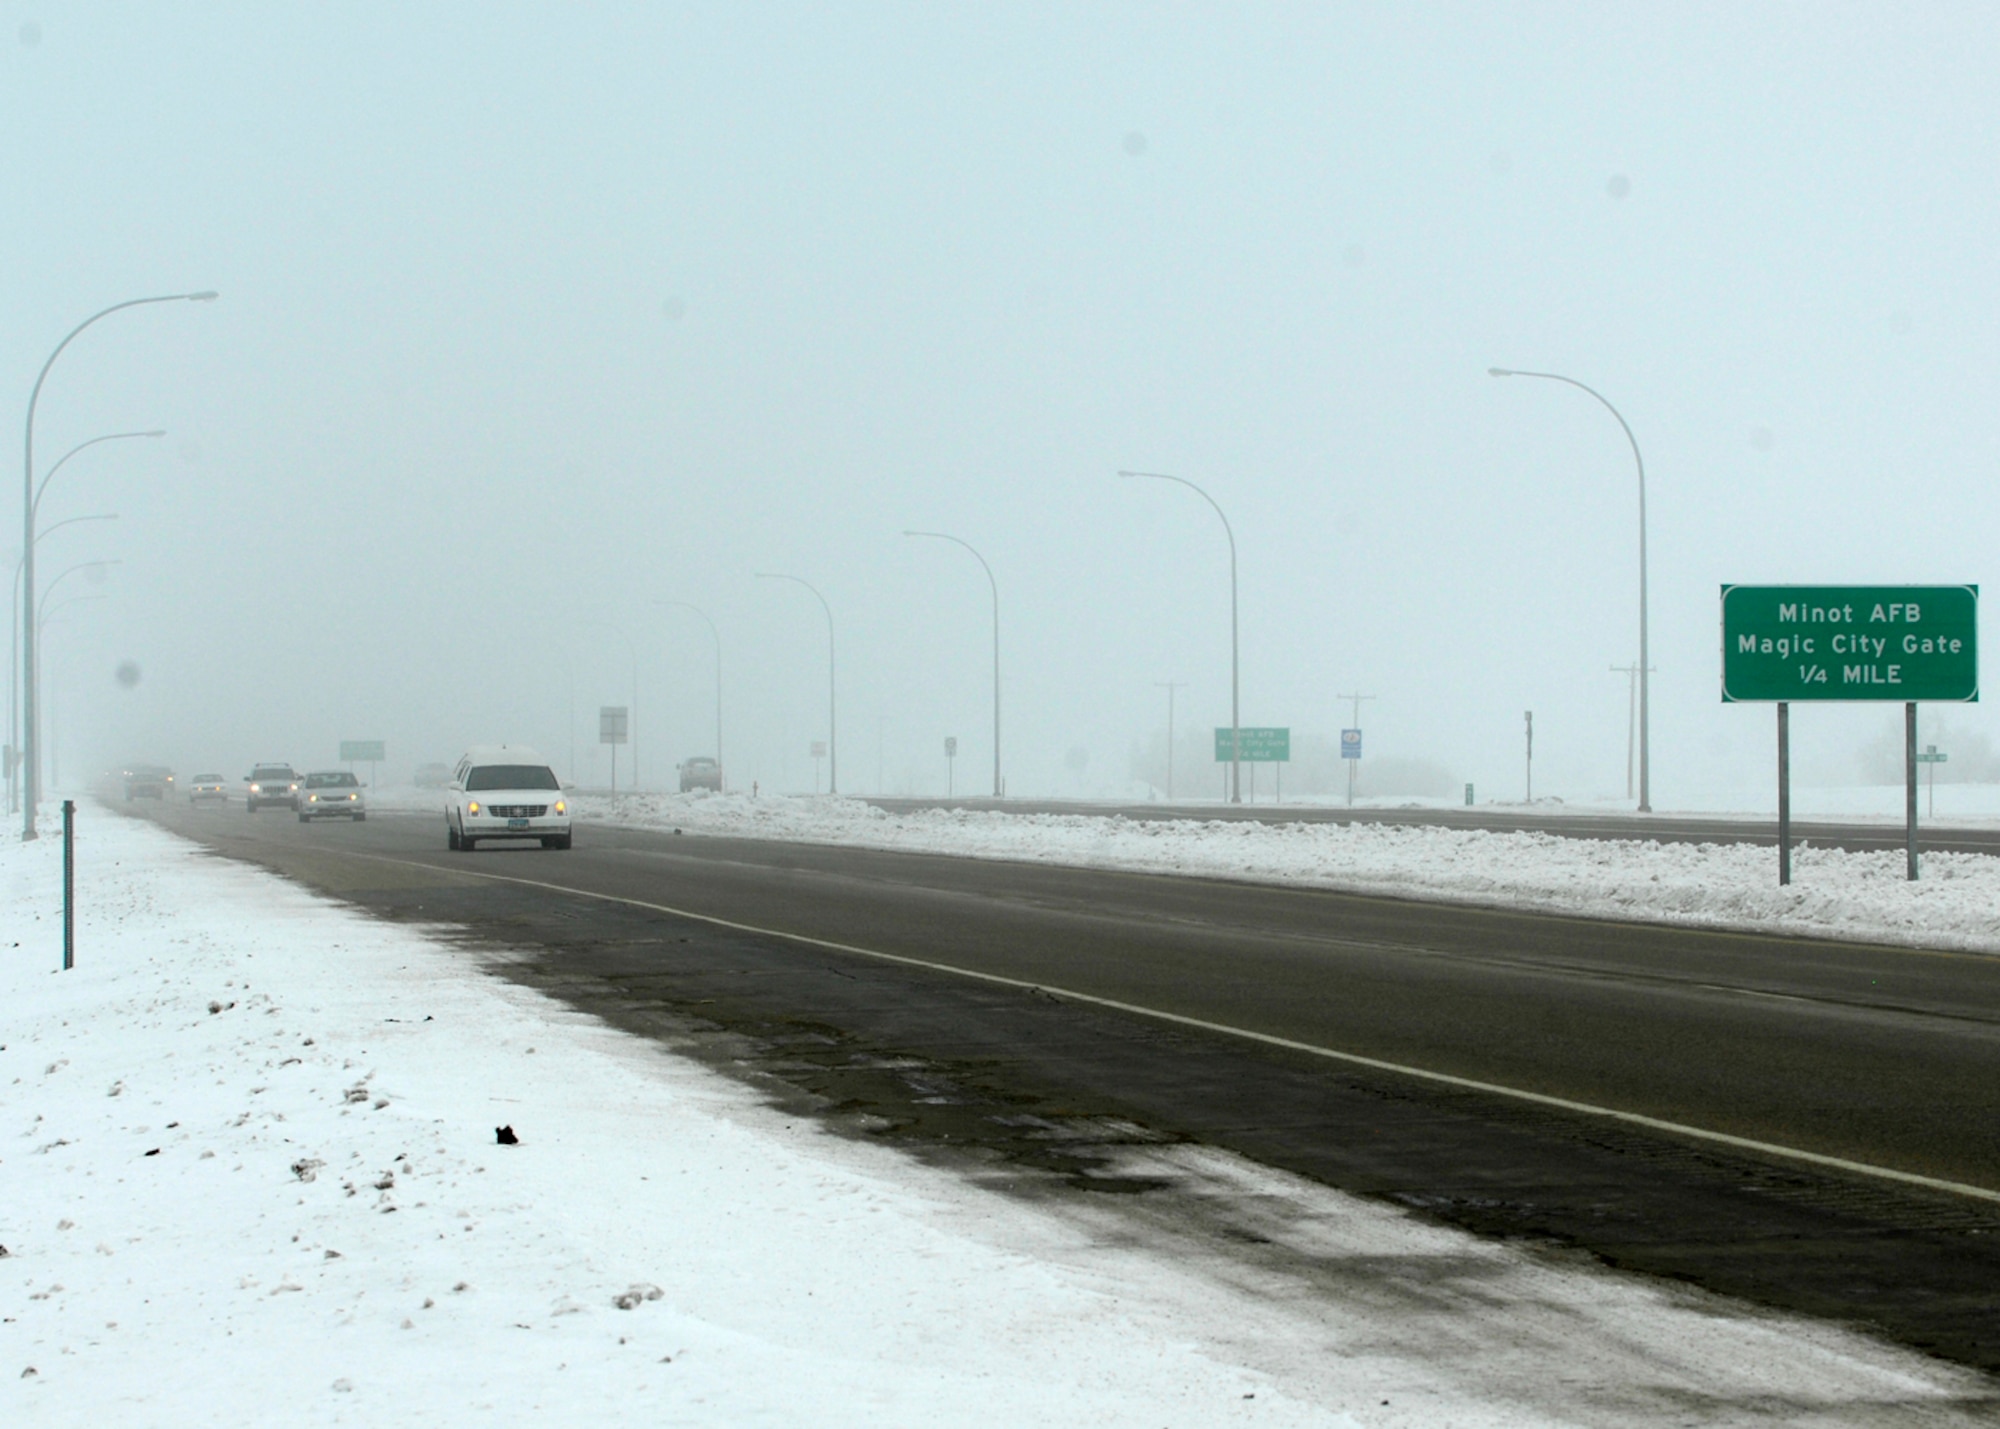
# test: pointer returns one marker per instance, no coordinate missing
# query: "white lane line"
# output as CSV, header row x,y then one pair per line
x,y
1629,1118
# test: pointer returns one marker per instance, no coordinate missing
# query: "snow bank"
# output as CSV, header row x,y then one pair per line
x,y
1863,896
249,1172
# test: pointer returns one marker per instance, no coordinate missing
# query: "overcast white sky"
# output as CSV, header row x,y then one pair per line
x,y
535,315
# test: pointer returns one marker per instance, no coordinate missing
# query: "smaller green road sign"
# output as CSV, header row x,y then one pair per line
x,y
1259,746
362,751
1902,643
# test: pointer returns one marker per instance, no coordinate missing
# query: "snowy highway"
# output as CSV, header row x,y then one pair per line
x,y
1808,1124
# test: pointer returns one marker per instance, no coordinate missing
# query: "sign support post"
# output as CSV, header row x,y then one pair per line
x,y
1910,782
69,884
1784,792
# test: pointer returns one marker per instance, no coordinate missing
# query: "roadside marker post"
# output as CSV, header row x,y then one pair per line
x,y
614,727
1906,644
1931,757
69,884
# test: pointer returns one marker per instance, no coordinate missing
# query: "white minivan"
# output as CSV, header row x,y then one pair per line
x,y
505,791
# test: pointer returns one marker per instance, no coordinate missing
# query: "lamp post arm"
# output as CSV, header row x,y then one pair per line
x,y
50,475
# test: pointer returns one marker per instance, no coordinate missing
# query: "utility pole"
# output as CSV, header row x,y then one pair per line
x,y
1529,716
1170,686
1631,716
1357,699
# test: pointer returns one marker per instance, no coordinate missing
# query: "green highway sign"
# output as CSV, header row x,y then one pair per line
x,y
362,751
1931,756
1259,746
1903,643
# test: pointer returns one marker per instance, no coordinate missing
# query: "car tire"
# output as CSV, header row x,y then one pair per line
x,y
360,818
556,841
466,843
450,836
249,806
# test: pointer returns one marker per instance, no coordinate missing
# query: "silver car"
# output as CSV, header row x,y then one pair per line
x,y
332,794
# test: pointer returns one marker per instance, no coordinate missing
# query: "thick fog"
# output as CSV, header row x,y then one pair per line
x,y
534,318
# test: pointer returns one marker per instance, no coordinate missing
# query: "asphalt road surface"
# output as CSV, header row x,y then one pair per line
x,y
1855,836
1811,1125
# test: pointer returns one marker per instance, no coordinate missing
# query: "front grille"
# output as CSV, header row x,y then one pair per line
x,y
517,811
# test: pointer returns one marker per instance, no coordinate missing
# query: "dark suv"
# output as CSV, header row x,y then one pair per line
x,y
147,781
271,784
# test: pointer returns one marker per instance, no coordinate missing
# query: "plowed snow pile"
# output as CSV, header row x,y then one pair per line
x,y
1865,896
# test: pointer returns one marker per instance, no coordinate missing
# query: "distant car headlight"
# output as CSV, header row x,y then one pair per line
x,y
312,798
352,797
472,807
561,807
256,788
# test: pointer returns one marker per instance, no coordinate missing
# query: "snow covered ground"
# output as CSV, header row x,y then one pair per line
x,y
249,1172
1955,904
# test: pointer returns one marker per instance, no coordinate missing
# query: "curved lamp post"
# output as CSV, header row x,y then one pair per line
x,y
28,494
721,773
1235,688
1645,664
14,647
832,736
998,786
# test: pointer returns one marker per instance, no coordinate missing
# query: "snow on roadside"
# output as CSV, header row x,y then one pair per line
x,y
1863,896
248,1169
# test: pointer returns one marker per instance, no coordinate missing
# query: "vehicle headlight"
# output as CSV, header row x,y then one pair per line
x,y
561,807
352,797
256,788
472,807
312,798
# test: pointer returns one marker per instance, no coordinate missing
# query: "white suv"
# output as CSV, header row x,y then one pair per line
x,y
505,791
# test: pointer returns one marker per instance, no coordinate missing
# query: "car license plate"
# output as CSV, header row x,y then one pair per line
x,y
517,823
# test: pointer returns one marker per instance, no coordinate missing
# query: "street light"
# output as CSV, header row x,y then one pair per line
x,y
1235,688
14,638
999,787
14,651
28,494
832,738
720,773
1645,664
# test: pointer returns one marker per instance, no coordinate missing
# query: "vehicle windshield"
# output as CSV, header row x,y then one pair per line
x,y
272,776
340,780
510,776
208,778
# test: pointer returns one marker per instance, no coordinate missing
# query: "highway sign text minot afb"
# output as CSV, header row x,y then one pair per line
x,y
1904,643
1259,744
